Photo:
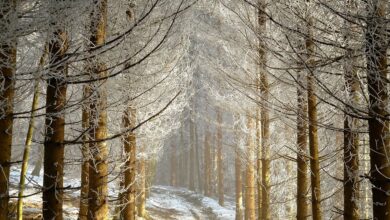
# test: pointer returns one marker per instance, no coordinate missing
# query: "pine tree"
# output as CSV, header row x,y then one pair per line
x,y
129,196
250,200
378,123
98,164
55,126
7,72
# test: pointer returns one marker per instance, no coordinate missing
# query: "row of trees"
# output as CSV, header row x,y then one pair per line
x,y
310,80
95,59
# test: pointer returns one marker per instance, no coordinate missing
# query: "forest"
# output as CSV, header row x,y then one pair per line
x,y
194,109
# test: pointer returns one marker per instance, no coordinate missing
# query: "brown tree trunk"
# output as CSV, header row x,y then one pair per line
x,y
302,157
250,197
238,177
141,186
207,163
83,213
378,124
191,172
258,160
214,167
238,173
7,72
173,165
98,166
313,143
184,159
221,199
55,129
265,159
264,90
129,196
198,163
351,133
312,116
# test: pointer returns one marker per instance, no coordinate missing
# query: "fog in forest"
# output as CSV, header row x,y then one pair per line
x,y
194,109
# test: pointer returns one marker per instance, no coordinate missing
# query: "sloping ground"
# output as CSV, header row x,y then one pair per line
x,y
178,203
164,203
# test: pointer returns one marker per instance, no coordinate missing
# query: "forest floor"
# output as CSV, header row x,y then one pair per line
x,y
164,203
178,203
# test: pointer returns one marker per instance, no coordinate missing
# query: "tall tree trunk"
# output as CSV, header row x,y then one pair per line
x,y
191,173
302,157
221,199
142,185
83,212
129,197
250,200
264,89
7,72
214,168
198,163
29,137
238,176
173,165
55,128
238,173
312,116
207,163
184,159
376,49
313,135
98,166
258,159
351,133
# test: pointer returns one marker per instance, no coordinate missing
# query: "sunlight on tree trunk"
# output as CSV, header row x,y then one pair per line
x,y
98,166
250,197
83,213
302,157
129,197
221,199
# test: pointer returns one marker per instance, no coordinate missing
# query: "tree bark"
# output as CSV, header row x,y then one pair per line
x,y
313,143
55,128
173,165
264,114
302,157
83,212
238,177
98,166
198,163
207,158
258,159
313,127
184,158
7,72
250,200
378,124
141,186
221,199
191,173
129,196
351,133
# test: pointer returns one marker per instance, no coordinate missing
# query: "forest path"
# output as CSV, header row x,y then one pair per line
x,y
178,203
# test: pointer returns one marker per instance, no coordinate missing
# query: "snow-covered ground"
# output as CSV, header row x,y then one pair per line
x,y
165,202
179,203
